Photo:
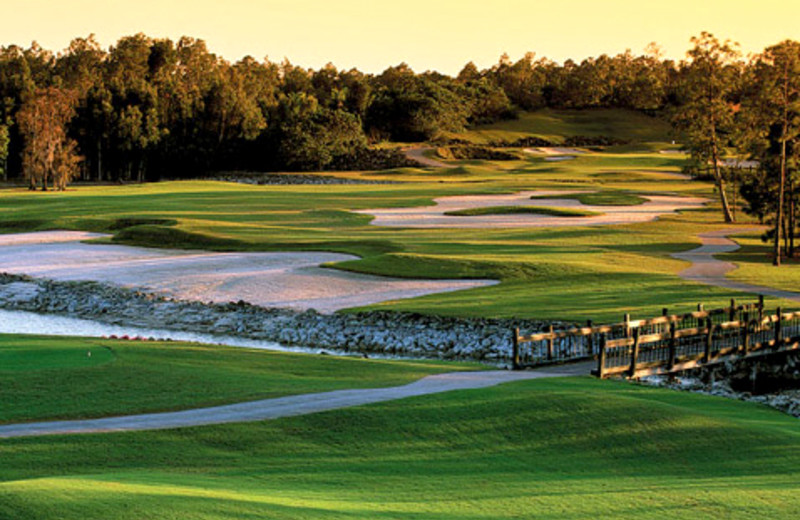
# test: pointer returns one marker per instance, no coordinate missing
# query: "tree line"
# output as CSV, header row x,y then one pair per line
x,y
149,108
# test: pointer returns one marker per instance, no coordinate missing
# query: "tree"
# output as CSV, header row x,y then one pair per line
x,y
407,107
4,140
48,155
707,111
772,113
311,136
135,124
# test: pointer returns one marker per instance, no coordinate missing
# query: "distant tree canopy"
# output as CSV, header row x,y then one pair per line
x,y
149,108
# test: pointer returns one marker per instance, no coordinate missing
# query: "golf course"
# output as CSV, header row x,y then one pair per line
x,y
549,447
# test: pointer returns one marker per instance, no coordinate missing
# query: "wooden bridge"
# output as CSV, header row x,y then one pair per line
x,y
667,343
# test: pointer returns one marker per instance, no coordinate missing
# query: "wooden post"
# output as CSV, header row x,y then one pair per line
x,y
601,359
732,310
634,353
550,344
627,320
778,327
760,307
673,345
515,365
699,307
664,313
589,345
709,340
745,333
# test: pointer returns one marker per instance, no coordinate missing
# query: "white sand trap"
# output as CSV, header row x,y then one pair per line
x,y
292,280
434,217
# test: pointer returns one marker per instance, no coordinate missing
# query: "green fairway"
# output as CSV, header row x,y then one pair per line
x,y
565,273
48,377
567,448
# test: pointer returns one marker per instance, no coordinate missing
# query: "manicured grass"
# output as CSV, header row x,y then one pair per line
x,y
512,210
570,448
49,377
601,198
562,273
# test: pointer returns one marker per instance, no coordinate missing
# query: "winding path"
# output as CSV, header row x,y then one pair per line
x,y
287,406
708,270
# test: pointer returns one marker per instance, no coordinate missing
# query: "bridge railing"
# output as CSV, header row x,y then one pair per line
x,y
682,349
579,343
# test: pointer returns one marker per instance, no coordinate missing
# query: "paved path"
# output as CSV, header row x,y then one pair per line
x,y
418,154
708,270
287,406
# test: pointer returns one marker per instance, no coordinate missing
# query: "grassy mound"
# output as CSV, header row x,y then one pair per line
x,y
49,377
600,198
515,210
569,448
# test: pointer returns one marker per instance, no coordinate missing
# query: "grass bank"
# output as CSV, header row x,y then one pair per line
x,y
45,377
569,448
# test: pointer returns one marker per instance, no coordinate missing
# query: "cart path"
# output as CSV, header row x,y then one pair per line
x,y
710,271
288,406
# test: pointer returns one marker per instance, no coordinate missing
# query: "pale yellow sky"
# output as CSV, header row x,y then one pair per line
x,y
428,35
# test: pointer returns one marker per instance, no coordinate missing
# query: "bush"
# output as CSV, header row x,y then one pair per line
x,y
523,142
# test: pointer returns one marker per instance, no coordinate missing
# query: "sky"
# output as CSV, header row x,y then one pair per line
x,y
372,35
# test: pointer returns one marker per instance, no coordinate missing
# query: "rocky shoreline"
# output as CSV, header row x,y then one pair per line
x,y
380,332
774,384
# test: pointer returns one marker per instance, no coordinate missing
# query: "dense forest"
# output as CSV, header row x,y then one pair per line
x,y
149,109
152,108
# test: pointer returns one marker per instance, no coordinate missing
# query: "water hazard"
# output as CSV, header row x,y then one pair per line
x,y
20,322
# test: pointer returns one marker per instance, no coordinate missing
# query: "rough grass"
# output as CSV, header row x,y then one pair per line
x,y
570,448
514,210
48,377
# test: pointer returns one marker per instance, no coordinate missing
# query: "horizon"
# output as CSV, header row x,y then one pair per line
x,y
371,37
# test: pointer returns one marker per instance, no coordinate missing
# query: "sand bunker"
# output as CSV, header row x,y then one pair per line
x,y
555,150
434,217
292,280
556,153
